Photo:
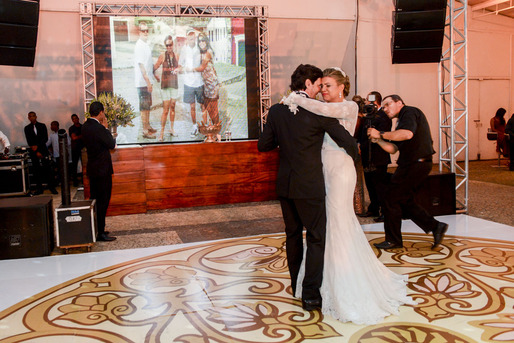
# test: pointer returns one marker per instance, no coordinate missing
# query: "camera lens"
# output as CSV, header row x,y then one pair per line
x,y
369,109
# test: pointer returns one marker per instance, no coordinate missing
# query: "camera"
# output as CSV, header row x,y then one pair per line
x,y
369,110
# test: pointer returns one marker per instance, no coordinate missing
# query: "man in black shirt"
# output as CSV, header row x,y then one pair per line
x,y
413,139
374,158
75,132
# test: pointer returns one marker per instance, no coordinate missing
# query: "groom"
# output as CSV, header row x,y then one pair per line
x,y
300,184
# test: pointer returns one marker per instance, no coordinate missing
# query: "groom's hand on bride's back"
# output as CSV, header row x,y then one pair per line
x,y
342,137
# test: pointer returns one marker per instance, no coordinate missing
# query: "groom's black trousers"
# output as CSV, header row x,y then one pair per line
x,y
311,214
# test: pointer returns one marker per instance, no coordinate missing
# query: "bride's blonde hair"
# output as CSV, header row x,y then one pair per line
x,y
340,77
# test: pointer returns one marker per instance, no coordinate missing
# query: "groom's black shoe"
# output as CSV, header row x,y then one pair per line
x,y
387,245
311,304
439,233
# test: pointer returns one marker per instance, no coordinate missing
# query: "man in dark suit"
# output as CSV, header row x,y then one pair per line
x,y
98,142
300,183
37,136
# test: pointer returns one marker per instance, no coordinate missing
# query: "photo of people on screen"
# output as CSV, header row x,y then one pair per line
x,y
144,78
189,61
169,85
179,73
210,80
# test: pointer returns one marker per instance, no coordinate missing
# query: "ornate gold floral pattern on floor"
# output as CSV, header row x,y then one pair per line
x,y
238,291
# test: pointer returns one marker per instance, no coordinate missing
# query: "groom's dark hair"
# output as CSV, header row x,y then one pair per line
x,y
303,73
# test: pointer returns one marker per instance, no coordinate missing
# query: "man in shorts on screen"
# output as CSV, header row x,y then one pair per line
x,y
190,59
144,79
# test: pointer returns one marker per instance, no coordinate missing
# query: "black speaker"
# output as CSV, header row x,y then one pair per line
x,y
23,12
416,40
18,26
437,194
18,35
418,31
13,56
418,5
419,55
420,20
26,228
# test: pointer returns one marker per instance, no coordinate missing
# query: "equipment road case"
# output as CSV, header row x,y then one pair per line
x,y
14,175
75,224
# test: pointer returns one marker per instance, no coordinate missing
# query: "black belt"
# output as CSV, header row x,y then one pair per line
x,y
424,159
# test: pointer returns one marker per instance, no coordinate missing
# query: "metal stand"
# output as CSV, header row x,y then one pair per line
x,y
453,100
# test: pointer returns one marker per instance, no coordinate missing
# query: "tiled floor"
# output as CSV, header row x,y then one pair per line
x,y
218,274
236,290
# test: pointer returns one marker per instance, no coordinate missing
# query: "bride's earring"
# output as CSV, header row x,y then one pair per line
x,y
340,96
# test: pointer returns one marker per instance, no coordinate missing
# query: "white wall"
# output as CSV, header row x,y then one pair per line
x,y
490,51
53,87
321,33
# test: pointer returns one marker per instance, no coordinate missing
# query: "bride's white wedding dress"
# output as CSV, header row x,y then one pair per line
x,y
356,286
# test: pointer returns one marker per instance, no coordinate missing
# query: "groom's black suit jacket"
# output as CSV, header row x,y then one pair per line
x,y
300,137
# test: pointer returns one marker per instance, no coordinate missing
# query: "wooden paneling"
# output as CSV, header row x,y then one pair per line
x,y
208,174
156,177
128,183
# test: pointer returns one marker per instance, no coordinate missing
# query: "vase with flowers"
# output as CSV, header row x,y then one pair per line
x,y
118,111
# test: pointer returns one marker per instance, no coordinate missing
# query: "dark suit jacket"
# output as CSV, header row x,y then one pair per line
x,y
300,137
98,142
40,139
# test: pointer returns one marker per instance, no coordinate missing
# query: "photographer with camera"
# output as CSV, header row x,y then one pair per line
x,y
374,158
412,138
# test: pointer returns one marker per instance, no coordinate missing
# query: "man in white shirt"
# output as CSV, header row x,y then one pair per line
x,y
4,143
53,142
190,58
53,145
144,79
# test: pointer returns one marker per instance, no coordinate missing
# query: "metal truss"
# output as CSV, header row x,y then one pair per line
x,y
88,53
453,100
264,70
88,10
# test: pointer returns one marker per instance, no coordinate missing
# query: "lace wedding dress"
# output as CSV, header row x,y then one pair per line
x,y
356,287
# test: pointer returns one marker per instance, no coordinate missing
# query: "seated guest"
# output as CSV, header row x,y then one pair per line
x,y
37,136
75,132
4,143
509,129
498,125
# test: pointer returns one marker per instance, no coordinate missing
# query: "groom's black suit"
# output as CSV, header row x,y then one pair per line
x,y
301,187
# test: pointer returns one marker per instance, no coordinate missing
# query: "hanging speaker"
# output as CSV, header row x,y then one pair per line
x,y
418,31
18,24
418,5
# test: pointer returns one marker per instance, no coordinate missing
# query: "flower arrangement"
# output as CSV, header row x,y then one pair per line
x,y
118,111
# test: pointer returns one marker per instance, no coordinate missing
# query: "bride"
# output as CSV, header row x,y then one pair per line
x,y
356,287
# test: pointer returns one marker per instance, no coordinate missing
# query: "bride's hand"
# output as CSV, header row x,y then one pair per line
x,y
289,102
